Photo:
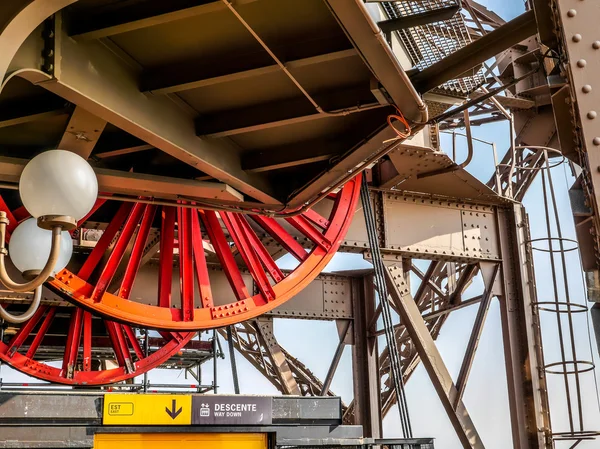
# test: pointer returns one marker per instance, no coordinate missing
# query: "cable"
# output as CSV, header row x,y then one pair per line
x,y
386,311
399,134
234,373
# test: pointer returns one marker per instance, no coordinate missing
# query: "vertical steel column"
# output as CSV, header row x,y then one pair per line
x,y
365,360
527,392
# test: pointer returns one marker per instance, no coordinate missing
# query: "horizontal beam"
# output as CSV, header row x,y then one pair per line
x,y
137,184
123,151
32,110
292,156
112,21
197,74
282,113
118,144
423,18
475,53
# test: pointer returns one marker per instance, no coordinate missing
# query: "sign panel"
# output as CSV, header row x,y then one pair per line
x,y
147,409
232,410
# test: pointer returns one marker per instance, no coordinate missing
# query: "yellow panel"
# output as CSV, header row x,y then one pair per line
x,y
181,440
145,409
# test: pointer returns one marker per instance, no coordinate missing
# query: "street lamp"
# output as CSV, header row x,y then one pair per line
x,y
57,188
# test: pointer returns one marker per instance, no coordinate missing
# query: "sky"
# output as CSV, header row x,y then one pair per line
x,y
314,342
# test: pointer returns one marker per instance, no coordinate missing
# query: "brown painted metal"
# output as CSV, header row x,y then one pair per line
x,y
432,360
527,390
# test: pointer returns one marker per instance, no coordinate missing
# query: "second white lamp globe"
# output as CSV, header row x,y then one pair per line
x,y
29,247
58,182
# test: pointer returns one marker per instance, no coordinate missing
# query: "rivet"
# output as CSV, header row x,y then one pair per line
x,y
596,45
586,89
596,141
577,38
571,13
581,63
592,115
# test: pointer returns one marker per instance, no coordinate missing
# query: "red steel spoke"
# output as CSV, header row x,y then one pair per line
x,y
200,263
119,345
135,344
72,345
167,242
248,254
261,251
316,218
186,264
307,229
20,337
41,333
281,236
97,253
118,252
133,264
219,242
87,341
20,213
12,221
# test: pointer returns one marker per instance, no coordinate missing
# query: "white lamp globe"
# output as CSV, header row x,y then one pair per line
x,y
29,247
58,182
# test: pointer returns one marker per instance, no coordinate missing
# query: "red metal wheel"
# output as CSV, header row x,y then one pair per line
x,y
213,290
72,336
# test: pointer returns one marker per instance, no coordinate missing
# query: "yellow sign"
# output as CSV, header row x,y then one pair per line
x,y
147,409
180,441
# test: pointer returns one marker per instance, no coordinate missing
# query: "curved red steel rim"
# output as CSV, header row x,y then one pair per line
x,y
24,351
77,367
273,286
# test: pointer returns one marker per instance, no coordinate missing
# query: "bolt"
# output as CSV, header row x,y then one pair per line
x,y
596,141
586,89
581,63
592,115
596,45
577,38
571,13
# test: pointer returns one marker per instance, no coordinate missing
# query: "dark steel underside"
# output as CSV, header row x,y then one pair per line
x,y
261,135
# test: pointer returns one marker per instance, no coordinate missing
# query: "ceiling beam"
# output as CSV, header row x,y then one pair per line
x,y
82,133
137,184
281,113
123,151
91,76
477,52
111,21
291,156
118,144
32,110
197,74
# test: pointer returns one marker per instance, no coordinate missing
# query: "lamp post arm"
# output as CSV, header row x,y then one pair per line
x,y
25,316
46,271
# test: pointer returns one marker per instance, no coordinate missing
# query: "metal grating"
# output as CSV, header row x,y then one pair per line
x,y
428,44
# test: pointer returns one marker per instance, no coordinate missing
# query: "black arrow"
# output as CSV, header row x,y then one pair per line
x,y
173,413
